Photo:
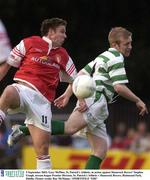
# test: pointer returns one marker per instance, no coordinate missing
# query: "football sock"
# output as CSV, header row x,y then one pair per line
x,y
43,162
93,162
25,130
57,128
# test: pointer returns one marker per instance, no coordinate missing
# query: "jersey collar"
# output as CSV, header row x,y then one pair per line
x,y
112,49
47,40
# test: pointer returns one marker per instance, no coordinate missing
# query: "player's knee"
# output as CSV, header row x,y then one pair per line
x,y
8,93
70,130
100,152
8,97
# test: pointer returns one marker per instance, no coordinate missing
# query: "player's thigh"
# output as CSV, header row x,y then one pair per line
x,y
10,97
98,145
75,122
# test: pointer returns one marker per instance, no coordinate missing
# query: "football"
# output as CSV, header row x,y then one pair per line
x,y
83,86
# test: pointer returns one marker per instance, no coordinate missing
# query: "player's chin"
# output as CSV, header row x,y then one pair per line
x,y
127,54
61,43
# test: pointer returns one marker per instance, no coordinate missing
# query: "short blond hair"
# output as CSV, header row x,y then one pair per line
x,y
116,33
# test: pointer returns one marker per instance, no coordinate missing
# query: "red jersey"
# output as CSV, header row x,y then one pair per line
x,y
40,66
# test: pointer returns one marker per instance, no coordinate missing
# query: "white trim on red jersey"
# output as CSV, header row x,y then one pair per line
x,y
16,55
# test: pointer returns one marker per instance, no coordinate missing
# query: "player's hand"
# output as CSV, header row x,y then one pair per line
x,y
82,105
142,108
61,101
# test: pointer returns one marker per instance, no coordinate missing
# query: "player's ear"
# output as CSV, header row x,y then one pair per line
x,y
51,32
115,45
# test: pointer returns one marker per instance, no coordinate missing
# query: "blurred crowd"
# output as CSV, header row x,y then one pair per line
x,y
135,139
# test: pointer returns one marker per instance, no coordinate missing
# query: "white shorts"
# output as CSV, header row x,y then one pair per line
x,y
36,107
95,117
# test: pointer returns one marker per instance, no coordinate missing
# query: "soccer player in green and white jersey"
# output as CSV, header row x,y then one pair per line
x,y
89,114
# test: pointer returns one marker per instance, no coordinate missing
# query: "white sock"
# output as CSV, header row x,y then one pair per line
x,y
2,116
43,162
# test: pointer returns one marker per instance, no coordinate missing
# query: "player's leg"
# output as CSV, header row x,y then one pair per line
x,y
99,150
72,125
75,123
20,131
96,132
38,119
59,127
41,142
9,99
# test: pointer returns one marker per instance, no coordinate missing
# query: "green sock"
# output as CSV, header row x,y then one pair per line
x,y
93,162
57,128
25,130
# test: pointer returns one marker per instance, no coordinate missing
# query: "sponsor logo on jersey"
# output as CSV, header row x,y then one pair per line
x,y
45,60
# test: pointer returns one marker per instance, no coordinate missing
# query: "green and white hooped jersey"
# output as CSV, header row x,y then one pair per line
x,y
109,70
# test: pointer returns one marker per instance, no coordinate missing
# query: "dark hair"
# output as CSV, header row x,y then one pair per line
x,y
52,23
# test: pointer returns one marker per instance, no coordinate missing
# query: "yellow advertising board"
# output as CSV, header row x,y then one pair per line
x,y
70,158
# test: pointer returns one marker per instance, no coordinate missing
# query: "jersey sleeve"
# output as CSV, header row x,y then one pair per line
x,y
68,71
117,71
16,55
88,68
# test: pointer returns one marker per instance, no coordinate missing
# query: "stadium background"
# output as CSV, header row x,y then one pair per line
x,y
89,22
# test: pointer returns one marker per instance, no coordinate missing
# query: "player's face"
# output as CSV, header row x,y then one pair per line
x,y
125,46
58,36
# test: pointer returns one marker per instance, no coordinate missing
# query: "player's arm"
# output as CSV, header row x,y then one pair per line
x,y
125,92
63,100
67,74
4,67
14,59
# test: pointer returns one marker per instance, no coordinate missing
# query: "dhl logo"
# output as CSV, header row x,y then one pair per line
x,y
76,159
108,163
123,163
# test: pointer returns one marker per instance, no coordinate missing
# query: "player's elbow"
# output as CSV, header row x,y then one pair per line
x,y
118,88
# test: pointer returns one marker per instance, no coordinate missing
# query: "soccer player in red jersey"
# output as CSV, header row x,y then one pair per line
x,y
41,63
